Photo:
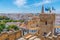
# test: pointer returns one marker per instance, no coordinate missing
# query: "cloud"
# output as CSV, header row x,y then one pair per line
x,y
20,2
43,2
38,4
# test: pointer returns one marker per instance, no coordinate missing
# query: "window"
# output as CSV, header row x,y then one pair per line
x,y
46,23
44,34
32,31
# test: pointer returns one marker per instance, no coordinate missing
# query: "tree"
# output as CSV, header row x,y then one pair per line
x,y
2,26
14,27
1,29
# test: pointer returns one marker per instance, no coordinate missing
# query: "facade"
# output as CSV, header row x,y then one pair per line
x,y
57,23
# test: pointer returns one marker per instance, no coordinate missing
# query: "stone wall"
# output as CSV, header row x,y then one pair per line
x,y
46,22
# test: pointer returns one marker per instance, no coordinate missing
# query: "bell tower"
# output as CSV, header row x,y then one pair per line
x,y
42,11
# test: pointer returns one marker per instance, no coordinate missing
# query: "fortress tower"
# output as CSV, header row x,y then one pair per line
x,y
46,22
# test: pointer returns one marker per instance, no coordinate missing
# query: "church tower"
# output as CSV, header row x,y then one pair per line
x,y
42,11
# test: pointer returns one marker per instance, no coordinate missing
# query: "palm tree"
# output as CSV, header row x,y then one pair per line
x,y
48,9
53,9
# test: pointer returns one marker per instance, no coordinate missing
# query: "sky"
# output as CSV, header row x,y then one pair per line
x,y
27,6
